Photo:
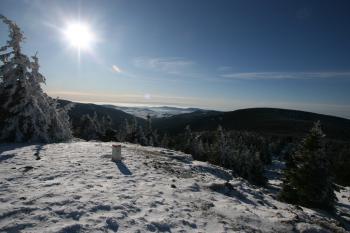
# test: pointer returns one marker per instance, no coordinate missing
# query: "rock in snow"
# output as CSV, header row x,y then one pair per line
x,y
75,187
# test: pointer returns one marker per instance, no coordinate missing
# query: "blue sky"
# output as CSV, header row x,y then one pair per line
x,y
212,54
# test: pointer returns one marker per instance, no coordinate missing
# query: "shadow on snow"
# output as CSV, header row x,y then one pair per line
x,y
123,168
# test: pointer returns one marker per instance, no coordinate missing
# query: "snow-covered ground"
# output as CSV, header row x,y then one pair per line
x,y
75,187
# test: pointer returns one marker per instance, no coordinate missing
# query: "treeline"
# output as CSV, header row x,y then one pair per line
x,y
95,127
231,149
244,152
313,164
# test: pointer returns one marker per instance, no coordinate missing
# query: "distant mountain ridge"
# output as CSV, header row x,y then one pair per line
x,y
118,117
268,121
154,112
262,120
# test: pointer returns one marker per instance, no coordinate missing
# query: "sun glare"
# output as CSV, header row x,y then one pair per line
x,y
79,36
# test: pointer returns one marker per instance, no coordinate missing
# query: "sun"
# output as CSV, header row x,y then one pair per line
x,y
79,36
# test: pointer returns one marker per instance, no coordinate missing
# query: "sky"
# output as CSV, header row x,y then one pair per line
x,y
221,55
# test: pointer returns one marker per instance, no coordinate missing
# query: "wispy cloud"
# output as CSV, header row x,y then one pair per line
x,y
285,75
224,68
171,65
116,69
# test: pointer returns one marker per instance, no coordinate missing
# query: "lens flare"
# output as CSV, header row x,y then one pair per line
x,y
79,36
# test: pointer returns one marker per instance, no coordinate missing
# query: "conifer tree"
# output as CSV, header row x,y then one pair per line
x,y
140,137
26,112
133,125
108,133
222,145
198,149
165,141
127,127
308,180
256,170
88,128
124,131
106,122
188,139
149,131
149,123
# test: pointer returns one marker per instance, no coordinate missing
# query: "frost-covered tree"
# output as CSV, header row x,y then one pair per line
x,y
307,179
96,127
198,148
108,133
149,123
130,130
88,128
222,145
133,125
165,141
255,168
26,112
246,162
126,127
188,139
124,131
140,137
149,132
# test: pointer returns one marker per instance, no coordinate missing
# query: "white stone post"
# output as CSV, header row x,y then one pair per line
x,y
116,153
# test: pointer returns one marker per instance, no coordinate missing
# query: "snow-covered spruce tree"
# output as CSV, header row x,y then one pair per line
x,y
149,131
123,131
221,142
27,114
151,135
307,179
131,130
246,162
95,128
165,141
108,133
133,125
197,149
256,170
140,137
188,139
87,128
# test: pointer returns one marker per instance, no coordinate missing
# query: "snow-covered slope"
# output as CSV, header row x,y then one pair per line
x,y
75,187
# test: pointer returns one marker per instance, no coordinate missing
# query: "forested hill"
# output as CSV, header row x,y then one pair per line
x,y
263,120
267,121
118,117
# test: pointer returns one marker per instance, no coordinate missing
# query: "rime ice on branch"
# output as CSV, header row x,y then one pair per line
x,y
27,114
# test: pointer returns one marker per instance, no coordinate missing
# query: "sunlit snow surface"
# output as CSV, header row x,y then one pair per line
x,y
75,187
